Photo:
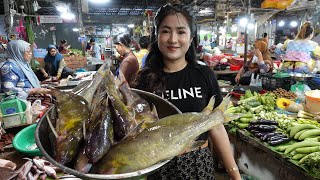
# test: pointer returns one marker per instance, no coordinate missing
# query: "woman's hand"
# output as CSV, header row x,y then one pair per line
x,y
258,54
39,91
237,79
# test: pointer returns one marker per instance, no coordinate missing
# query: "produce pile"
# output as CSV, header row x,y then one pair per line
x,y
281,124
104,127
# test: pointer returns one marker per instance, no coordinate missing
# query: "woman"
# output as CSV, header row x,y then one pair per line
x,y
129,65
261,62
302,53
16,73
171,66
144,43
55,64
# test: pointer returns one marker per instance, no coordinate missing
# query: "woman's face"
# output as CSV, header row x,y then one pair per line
x,y
28,55
174,37
53,52
120,49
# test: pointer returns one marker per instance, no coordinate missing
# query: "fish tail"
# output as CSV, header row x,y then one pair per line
x,y
223,105
210,105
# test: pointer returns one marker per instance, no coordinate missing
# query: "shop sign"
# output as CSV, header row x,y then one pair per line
x,y
50,19
40,53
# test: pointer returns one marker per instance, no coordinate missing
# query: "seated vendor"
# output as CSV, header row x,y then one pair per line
x,y
302,53
16,74
64,48
261,62
55,64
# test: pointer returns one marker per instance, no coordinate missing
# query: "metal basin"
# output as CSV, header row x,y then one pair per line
x,y
43,132
300,76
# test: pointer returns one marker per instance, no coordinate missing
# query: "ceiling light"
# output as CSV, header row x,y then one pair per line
x,y
130,25
243,21
75,29
99,1
293,24
281,23
68,16
62,8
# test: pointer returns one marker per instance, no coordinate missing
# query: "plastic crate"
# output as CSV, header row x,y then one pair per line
x,y
269,82
17,119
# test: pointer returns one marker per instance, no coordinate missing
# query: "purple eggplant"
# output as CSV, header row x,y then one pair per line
x,y
264,128
264,122
269,135
273,138
279,141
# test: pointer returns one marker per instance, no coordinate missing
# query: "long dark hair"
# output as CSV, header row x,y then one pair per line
x,y
151,78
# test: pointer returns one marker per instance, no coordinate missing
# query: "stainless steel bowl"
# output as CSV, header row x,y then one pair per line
x,y
43,134
300,76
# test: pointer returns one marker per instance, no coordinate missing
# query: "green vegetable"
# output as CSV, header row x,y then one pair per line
x,y
282,148
312,155
242,125
253,98
308,150
301,144
303,114
310,133
298,156
246,120
297,135
257,109
297,128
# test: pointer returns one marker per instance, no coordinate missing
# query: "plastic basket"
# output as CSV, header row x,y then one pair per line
x,y
269,82
17,119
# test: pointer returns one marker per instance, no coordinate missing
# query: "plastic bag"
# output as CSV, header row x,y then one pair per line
x,y
37,108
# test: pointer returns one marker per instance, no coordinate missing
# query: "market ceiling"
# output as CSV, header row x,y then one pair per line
x,y
131,8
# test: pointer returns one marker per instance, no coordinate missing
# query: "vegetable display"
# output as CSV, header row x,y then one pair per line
x,y
282,125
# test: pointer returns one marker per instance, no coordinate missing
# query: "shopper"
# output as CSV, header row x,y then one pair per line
x,y
265,38
302,53
144,43
205,42
171,67
55,64
95,49
261,62
285,43
16,73
129,65
64,47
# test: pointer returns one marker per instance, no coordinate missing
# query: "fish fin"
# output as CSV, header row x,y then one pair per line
x,y
135,131
194,145
210,105
223,105
230,117
154,111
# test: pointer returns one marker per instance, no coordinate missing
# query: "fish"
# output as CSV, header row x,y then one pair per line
x,y
101,138
123,116
72,112
164,139
82,162
144,113
87,89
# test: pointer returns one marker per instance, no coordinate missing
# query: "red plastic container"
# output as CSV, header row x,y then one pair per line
x,y
234,67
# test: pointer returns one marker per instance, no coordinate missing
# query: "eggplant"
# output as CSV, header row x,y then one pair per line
x,y
269,135
264,122
260,134
264,128
279,141
273,138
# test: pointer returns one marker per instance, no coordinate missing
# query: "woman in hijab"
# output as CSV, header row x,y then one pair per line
x,y
261,62
55,64
16,73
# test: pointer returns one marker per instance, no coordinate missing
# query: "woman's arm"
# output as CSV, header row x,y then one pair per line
x,y
62,64
10,81
221,143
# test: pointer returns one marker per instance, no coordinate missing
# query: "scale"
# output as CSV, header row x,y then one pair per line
x,y
300,84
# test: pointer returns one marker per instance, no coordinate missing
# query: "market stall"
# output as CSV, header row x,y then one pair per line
x,y
276,137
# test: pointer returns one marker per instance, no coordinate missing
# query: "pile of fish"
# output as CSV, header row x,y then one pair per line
x,y
104,127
